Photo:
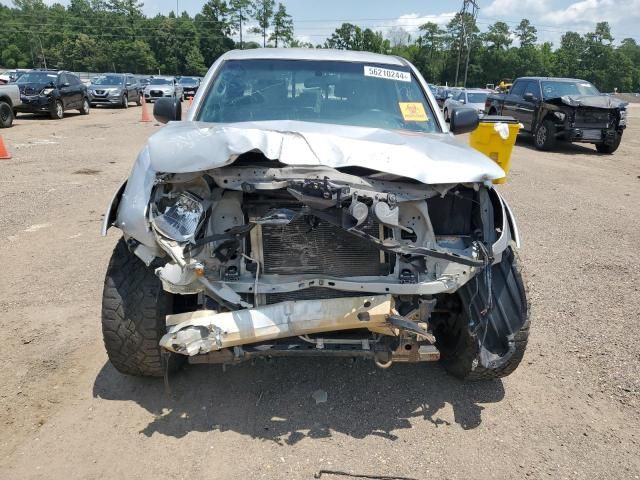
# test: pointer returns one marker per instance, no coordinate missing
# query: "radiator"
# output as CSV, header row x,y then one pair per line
x,y
324,249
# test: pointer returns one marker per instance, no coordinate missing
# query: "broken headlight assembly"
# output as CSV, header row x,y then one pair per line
x,y
181,219
560,116
623,118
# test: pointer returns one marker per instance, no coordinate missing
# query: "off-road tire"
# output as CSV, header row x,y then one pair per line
x,y
610,148
6,115
544,138
57,111
134,307
460,358
125,101
86,107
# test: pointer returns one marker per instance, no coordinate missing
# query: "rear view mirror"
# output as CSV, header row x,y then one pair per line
x,y
167,110
463,120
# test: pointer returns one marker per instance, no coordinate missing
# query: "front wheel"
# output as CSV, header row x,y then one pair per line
x,y
6,115
125,101
545,135
84,109
138,100
495,348
134,307
57,112
609,148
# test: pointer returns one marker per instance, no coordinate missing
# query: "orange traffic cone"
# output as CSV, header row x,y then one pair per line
x,y
145,112
4,153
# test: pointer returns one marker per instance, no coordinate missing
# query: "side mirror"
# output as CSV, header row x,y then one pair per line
x,y
167,110
463,120
529,97
462,100
65,84
128,84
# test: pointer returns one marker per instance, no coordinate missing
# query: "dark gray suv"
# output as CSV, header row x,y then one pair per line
x,y
115,89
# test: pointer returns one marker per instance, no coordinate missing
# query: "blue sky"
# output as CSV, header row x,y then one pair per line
x,y
315,20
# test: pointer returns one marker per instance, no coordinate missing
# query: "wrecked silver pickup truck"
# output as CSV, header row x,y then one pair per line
x,y
313,203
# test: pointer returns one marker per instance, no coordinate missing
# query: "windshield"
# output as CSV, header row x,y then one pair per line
x,y
552,89
188,81
476,97
37,77
109,80
344,93
161,81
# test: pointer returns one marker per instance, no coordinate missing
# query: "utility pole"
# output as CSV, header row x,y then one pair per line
x,y
44,59
469,8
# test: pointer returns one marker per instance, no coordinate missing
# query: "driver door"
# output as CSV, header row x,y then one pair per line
x,y
526,108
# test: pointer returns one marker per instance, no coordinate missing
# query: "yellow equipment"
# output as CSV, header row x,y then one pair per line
x,y
495,137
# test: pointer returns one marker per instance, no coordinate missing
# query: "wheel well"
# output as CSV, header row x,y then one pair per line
x,y
551,118
6,100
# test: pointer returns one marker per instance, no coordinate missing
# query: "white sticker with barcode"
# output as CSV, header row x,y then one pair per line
x,y
386,73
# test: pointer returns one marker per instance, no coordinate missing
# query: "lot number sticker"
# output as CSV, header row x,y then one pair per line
x,y
386,73
413,112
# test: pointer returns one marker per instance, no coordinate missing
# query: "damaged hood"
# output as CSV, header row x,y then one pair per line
x,y
594,101
431,158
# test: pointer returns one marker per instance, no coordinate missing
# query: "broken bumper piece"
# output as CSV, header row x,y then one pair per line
x,y
204,331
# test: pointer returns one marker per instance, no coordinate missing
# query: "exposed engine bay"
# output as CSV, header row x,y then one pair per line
x,y
281,259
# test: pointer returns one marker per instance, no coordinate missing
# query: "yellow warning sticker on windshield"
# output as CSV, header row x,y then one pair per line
x,y
413,112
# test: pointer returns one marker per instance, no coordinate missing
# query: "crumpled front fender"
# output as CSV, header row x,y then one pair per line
x,y
128,208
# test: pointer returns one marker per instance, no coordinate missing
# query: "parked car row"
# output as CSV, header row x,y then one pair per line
x,y
54,92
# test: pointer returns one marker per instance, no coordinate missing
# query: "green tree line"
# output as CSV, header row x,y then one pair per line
x,y
501,53
115,35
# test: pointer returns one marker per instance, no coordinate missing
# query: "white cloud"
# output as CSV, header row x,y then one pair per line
x,y
592,11
580,16
530,8
412,21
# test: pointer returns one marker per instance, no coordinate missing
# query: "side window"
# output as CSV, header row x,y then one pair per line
x,y
532,87
63,78
131,80
74,79
518,89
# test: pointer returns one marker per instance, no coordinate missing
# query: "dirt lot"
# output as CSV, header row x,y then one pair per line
x,y
570,411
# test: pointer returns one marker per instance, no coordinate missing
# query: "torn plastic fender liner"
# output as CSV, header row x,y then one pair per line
x,y
204,331
112,209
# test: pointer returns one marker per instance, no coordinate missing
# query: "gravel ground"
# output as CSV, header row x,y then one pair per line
x,y
570,410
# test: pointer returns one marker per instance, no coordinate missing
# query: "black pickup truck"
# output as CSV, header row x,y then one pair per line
x,y
562,109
